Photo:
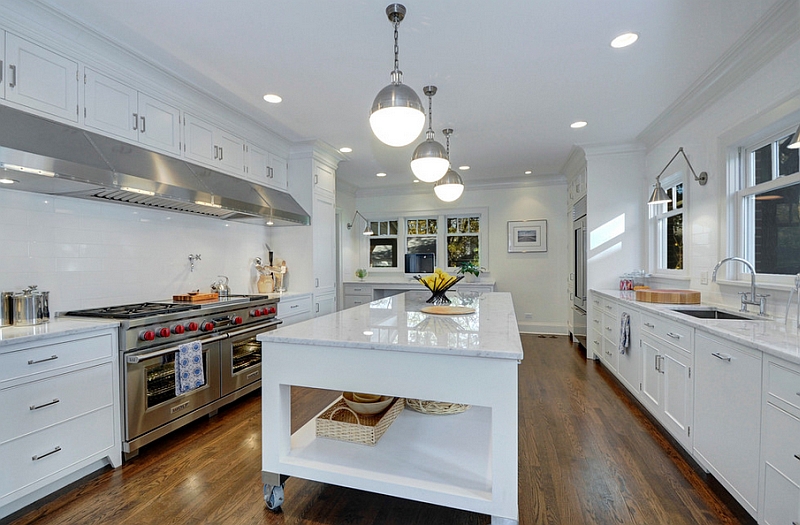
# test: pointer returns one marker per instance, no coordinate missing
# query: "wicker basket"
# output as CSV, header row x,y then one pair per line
x,y
342,423
435,407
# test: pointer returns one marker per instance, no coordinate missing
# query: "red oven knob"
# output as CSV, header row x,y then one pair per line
x,y
178,329
272,310
207,326
255,313
147,335
192,327
236,319
163,332
264,311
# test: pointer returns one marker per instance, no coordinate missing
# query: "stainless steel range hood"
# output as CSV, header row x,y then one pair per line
x,y
52,158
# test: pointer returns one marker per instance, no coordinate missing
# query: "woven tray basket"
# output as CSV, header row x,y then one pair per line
x,y
435,407
342,423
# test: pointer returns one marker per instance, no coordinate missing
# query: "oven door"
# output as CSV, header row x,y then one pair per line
x,y
149,382
240,357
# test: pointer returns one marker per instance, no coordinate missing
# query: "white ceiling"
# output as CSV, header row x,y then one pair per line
x,y
512,74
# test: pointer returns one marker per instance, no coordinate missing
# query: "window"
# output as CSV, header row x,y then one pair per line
x,y
463,240
668,219
383,244
769,204
421,235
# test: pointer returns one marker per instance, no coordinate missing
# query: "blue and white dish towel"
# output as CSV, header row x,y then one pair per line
x,y
624,332
189,373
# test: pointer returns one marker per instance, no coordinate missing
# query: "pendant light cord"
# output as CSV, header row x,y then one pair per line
x,y
430,134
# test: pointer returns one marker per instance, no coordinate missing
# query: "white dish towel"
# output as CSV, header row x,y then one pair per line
x,y
189,372
624,332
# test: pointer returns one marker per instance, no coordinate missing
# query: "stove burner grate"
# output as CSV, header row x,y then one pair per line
x,y
133,311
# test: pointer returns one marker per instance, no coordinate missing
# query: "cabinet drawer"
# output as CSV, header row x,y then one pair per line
x,y
358,289
37,360
611,328
784,384
610,308
676,333
782,441
781,498
50,451
46,402
356,300
596,343
289,307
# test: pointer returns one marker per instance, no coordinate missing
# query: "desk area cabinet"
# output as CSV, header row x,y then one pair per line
x,y
363,292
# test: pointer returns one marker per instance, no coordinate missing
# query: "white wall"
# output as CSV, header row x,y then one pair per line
x,y
89,254
537,281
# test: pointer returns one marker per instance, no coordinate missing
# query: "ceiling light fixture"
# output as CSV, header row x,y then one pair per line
x,y
380,174
397,116
463,168
8,181
450,187
659,196
795,142
273,99
367,229
429,161
624,40
346,150
578,124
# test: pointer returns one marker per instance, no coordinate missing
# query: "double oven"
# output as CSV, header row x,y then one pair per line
x,y
150,336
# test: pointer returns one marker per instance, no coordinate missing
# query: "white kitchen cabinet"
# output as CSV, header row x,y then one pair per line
x,y
213,146
115,108
629,365
59,398
728,415
294,309
324,303
323,220
40,79
610,327
324,179
356,294
2,63
264,167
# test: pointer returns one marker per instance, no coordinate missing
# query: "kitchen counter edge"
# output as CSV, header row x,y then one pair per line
x,y
59,327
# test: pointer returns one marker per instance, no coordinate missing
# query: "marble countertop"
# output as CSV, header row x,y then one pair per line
x,y
58,327
397,324
770,335
408,281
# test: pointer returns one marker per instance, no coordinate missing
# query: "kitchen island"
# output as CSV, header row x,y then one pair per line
x,y
466,460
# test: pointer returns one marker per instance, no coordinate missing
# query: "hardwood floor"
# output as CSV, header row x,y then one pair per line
x,y
587,456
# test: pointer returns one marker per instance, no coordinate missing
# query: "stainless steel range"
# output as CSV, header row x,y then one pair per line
x,y
150,335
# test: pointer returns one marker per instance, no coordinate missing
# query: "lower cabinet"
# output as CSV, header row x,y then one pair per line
x,y
629,365
294,309
728,415
324,304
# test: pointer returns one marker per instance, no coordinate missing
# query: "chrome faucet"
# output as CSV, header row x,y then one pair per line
x,y
752,297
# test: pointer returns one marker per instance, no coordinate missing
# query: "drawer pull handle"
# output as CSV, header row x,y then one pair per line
x,y
294,306
609,307
37,407
673,335
609,328
57,449
721,356
797,457
648,325
36,361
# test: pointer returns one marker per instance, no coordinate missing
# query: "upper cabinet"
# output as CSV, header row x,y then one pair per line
x,y
40,79
324,179
265,168
2,63
208,144
115,108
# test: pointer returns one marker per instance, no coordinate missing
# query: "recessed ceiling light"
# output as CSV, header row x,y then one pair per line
x,y
624,40
416,181
528,172
463,168
381,174
273,99
577,125
346,150
7,181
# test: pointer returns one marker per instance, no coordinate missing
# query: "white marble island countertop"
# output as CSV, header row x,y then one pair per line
x,y
397,324
770,335
13,335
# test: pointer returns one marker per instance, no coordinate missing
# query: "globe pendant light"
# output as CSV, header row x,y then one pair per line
x,y
397,116
429,162
450,187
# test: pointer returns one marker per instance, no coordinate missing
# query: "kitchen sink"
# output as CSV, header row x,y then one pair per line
x,y
713,313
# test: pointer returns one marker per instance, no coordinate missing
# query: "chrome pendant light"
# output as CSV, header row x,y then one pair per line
x,y
429,162
397,116
450,187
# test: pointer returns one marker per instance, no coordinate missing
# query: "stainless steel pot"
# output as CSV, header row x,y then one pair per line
x,y
31,307
6,309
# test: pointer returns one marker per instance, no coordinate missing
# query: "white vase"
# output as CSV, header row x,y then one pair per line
x,y
470,277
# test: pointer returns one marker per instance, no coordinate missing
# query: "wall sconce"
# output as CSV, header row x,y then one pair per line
x,y
795,142
367,229
659,196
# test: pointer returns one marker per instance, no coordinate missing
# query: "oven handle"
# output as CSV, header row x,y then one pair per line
x,y
271,324
133,359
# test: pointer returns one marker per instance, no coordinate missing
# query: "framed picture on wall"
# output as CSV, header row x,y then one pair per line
x,y
527,236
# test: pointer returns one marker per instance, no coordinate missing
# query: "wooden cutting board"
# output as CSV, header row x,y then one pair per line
x,y
447,310
668,296
195,297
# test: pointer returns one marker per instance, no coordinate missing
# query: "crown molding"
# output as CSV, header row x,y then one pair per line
x,y
778,28
599,150
469,185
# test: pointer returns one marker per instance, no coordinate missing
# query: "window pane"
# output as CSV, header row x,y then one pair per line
x,y
412,227
374,227
383,253
762,164
679,196
422,227
777,231
392,227
474,225
452,225
384,228
461,249
432,229
787,158
675,242
421,245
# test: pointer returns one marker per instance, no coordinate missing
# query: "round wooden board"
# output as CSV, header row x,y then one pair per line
x,y
447,310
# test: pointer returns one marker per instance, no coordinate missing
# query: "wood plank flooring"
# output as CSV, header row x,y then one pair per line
x,y
587,456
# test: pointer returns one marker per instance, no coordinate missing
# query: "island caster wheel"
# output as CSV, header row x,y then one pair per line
x,y
273,496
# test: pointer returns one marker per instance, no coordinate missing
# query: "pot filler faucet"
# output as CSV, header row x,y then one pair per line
x,y
747,298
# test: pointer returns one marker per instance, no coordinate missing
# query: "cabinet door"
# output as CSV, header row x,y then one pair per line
x,y
231,151
677,394
323,221
651,376
159,124
257,164
324,304
199,140
110,106
629,367
41,79
728,409
279,172
324,179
